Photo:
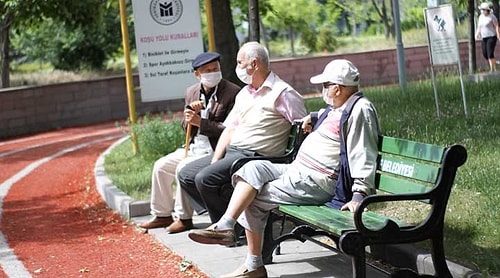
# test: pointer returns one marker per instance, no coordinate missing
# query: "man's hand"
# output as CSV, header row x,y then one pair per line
x,y
352,206
191,113
196,106
306,124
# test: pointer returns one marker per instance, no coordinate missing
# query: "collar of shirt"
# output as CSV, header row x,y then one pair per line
x,y
267,84
206,96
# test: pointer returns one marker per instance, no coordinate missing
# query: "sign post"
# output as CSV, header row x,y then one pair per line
x,y
168,37
443,44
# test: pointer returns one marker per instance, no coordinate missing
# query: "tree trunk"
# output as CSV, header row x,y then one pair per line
x,y
471,8
292,40
226,42
265,40
496,12
382,12
392,27
385,18
4,55
253,16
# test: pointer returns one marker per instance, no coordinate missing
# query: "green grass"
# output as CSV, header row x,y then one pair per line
x,y
472,233
131,173
362,43
156,137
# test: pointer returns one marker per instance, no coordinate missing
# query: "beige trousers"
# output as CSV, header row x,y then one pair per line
x,y
164,173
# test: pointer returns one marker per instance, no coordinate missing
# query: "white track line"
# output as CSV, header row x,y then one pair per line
x,y
67,138
9,262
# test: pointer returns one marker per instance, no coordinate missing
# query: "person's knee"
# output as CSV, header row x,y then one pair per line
x,y
200,180
185,177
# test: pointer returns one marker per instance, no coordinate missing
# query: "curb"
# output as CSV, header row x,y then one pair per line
x,y
408,256
397,254
112,195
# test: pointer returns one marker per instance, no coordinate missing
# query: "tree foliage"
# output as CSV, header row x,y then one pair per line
x,y
83,34
71,47
16,16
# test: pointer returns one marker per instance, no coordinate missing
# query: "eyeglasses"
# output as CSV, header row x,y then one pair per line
x,y
327,85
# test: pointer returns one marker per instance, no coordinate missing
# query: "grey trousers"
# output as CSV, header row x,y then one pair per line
x,y
277,184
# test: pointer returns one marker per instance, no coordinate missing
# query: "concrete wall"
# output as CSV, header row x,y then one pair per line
x,y
26,110
376,67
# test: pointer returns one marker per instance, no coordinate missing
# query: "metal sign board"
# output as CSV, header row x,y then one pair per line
x,y
442,36
168,37
443,45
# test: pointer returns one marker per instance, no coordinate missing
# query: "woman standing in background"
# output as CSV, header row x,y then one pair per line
x,y
487,29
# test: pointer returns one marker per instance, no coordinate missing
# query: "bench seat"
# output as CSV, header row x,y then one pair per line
x,y
335,221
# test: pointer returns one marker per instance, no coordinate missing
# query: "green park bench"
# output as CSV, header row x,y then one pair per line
x,y
406,171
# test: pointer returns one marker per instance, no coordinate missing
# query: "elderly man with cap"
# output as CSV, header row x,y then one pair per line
x,y
336,160
208,102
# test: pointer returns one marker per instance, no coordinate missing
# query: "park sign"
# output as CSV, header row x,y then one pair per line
x,y
168,37
443,44
442,36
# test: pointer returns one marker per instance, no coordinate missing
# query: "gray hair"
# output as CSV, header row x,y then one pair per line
x,y
256,50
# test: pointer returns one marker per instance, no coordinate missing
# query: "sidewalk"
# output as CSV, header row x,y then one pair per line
x,y
297,259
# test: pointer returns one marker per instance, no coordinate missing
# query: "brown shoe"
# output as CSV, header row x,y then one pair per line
x,y
157,222
212,236
180,225
242,272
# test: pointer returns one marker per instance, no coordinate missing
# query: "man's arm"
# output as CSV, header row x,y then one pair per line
x,y
224,141
362,151
290,105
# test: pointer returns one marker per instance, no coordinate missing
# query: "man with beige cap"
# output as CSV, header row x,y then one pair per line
x,y
335,164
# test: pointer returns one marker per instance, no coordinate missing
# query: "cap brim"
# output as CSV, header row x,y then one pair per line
x,y
318,79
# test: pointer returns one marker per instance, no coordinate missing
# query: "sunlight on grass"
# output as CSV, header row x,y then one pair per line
x,y
131,173
352,44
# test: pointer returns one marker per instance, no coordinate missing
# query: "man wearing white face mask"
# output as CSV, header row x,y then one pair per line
x,y
208,102
259,124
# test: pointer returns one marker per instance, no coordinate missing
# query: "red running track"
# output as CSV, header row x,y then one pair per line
x,y
53,222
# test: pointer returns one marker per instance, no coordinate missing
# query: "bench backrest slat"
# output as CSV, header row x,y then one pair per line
x,y
395,185
411,149
406,166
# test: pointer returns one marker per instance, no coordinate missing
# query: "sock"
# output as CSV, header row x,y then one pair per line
x,y
253,262
226,223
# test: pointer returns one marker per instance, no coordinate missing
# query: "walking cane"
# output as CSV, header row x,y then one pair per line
x,y
188,137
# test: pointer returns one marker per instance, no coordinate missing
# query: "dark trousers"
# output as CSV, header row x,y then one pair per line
x,y
488,47
211,183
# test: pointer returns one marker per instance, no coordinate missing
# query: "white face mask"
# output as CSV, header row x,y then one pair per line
x,y
210,79
326,99
243,75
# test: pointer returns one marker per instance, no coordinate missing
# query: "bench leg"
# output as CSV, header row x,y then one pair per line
x,y
268,244
353,244
359,266
271,243
438,256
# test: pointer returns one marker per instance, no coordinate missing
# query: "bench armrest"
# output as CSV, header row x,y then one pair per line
x,y
296,137
389,225
437,197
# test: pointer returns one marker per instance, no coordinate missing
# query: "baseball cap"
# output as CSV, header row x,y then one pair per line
x,y
339,71
205,58
485,6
